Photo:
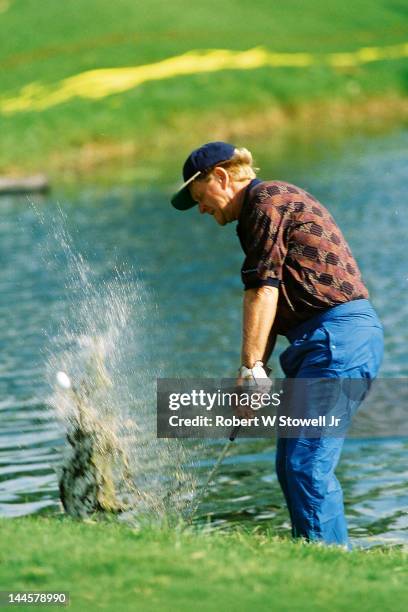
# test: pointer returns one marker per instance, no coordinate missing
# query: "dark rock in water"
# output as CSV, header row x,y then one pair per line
x,y
87,482
95,472
29,184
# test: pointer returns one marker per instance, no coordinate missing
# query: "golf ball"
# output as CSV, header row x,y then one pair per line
x,y
63,380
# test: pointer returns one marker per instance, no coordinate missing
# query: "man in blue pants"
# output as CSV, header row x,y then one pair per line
x,y
300,281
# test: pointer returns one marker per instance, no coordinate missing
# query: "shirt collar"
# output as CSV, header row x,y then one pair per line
x,y
252,184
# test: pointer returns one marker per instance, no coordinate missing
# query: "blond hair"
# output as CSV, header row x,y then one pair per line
x,y
240,167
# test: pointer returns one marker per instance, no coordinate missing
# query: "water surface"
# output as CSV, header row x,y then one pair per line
x,y
186,319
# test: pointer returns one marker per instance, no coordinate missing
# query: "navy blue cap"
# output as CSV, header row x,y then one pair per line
x,y
199,160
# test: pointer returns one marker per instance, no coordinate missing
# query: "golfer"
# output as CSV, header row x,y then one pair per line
x,y
300,281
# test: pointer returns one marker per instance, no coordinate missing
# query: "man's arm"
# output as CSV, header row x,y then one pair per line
x,y
258,317
270,345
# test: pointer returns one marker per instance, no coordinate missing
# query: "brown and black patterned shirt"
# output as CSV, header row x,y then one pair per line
x,y
292,242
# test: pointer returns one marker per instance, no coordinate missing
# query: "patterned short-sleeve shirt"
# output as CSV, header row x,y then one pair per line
x,y
292,242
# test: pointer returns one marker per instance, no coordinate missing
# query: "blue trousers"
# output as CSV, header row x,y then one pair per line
x,y
347,342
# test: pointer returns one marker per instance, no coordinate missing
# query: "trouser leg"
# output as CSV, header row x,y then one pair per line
x,y
280,465
349,349
314,493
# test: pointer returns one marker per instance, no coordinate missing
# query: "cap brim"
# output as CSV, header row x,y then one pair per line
x,y
182,199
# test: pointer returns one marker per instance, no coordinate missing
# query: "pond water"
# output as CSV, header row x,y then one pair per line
x,y
181,273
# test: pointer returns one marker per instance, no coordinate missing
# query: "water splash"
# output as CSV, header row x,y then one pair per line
x,y
110,419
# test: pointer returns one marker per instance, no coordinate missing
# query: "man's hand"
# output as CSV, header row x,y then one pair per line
x,y
256,378
251,380
258,372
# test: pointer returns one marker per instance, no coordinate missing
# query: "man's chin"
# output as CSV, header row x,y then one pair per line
x,y
220,221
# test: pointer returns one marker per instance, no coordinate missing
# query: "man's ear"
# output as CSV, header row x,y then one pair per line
x,y
222,176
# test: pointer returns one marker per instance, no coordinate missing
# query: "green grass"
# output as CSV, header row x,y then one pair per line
x,y
112,567
49,41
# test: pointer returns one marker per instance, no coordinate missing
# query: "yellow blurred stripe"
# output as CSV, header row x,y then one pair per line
x,y
99,83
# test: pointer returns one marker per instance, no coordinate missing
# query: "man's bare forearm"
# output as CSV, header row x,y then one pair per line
x,y
258,317
270,345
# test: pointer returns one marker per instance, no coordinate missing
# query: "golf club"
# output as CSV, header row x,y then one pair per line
x,y
224,452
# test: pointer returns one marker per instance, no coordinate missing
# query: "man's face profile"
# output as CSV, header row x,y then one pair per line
x,y
212,197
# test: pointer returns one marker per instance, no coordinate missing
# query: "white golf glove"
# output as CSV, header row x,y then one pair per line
x,y
258,375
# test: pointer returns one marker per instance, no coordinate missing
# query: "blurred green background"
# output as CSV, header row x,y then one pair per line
x,y
141,133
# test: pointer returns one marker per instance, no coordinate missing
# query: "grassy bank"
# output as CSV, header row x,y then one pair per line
x,y
112,567
51,124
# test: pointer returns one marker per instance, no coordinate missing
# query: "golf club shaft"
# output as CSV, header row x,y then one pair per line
x,y
234,432
209,479
232,436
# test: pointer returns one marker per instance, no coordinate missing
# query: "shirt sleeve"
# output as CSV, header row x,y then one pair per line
x,y
266,249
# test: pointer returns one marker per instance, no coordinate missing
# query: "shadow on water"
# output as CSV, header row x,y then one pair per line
x,y
189,325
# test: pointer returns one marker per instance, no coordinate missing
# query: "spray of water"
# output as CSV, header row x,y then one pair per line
x,y
101,346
